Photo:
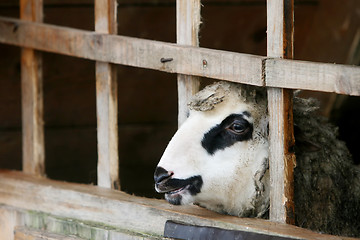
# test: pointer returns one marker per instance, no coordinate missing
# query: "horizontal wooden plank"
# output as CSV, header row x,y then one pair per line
x,y
223,65
243,68
23,233
325,77
37,226
142,3
115,208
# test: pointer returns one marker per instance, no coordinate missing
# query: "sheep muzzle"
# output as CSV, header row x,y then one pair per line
x,y
174,188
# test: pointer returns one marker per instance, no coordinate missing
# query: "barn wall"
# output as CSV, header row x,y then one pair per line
x,y
147,99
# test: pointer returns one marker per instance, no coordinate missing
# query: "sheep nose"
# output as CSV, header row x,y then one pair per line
x,y
161,174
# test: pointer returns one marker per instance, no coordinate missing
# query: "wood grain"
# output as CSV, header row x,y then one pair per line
x,y
313,76
8,221
23,233
32,97
187,33
107,102
280,30
117,209
223,65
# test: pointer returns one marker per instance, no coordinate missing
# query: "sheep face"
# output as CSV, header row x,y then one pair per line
x,y
218,158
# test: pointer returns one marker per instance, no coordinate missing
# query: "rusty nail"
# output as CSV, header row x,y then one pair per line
x,y
204,62
15,28
164,60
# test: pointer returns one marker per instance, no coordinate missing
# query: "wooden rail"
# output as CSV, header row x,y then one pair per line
x,y
22,233
343,79
133,51
222,65
32,96
107,102
280,38
103,207
187,31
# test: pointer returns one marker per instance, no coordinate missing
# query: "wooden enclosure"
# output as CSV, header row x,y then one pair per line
x,y
33,206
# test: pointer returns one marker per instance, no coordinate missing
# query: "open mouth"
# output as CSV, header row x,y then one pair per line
x,y
177,191
170,190
175,186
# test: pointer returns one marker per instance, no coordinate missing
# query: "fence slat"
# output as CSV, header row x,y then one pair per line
x,y
32,97
107,102
313,76
223,65
187,31
280,31
116,209
23,233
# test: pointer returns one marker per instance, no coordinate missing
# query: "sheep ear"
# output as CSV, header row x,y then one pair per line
x,y
302,143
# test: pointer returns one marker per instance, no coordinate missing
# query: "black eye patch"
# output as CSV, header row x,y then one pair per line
x,y
234,128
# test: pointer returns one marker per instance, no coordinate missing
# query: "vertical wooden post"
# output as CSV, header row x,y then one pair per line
x,y
280,32
107,102
187,30
32,97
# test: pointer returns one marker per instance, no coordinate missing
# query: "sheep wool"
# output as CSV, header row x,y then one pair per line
x,y
218,159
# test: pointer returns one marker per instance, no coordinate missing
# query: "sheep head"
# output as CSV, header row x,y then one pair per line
x,y
218,158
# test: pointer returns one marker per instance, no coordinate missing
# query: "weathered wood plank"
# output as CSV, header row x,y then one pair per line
x,y
23,233
235,67
107,102
187,31
313,76
107,122
40,225
8,221
114,208
32,96
135,52
280,32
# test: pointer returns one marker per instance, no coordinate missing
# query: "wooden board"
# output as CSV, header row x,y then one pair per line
x,y
187,31
23,233
115,208
222,65
237,67
40,225
313,76
280,35
32,97
8,221
27,234
107,102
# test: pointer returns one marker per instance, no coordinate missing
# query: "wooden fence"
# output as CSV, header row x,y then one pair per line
x,y
24,192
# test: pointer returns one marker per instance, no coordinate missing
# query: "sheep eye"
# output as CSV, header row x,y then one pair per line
x,y
234,128
238,128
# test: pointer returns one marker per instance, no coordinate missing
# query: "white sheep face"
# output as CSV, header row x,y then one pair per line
x,y
218,158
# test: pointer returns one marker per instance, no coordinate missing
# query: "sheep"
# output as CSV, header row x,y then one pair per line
x,y
218,159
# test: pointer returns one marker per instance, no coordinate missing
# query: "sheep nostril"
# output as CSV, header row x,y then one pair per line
x,y
161,174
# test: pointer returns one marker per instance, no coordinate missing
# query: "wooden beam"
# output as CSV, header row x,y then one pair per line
x,y
222,65
107,102
292,74
116,209
32,97
23,233
280,32
134,52
8,221
187,31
